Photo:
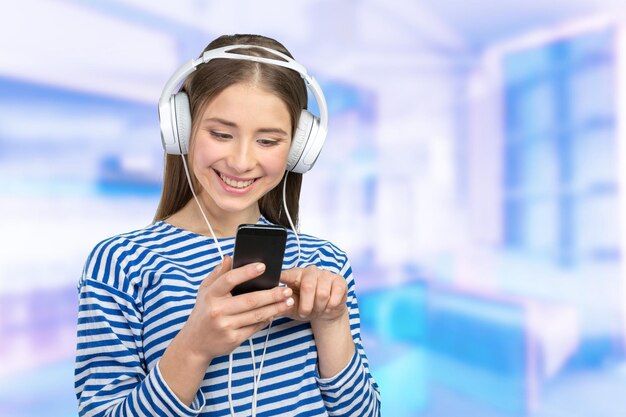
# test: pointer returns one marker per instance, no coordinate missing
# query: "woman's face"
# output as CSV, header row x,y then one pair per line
x,y
240,148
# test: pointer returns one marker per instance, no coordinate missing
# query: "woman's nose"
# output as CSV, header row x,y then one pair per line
x,y
243,158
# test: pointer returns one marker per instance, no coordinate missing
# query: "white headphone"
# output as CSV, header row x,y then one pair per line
x,y
175,113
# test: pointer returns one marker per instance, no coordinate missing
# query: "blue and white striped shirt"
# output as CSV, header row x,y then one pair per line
x,y
136,293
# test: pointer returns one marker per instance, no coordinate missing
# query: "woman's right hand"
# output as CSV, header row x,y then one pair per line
x,y
219,322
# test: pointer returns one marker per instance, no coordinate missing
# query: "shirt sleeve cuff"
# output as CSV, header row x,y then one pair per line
x,y
169,400
348,393
345,377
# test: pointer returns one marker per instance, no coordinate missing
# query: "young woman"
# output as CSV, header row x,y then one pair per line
x,y
159,332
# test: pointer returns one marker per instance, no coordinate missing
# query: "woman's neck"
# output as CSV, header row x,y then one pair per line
x,y
224,224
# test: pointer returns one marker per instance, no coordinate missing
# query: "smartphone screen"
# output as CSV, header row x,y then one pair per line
x,y
259,243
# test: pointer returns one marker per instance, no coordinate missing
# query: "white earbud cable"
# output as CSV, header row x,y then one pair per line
x,y
295,232
219,249
230,378
256,378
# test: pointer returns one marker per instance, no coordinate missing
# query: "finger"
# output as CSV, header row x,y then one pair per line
x,y
220,269
293,310
226,282
339,292
262,314
322,293
256,299
291,277
308,287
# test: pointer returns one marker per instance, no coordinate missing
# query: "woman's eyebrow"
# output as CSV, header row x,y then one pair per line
x,y
233,124
219,120
272,130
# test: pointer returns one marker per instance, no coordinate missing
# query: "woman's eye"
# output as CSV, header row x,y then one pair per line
x,y
267,142
220,135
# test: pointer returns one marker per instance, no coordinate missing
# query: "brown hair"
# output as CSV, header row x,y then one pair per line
x,y
207,82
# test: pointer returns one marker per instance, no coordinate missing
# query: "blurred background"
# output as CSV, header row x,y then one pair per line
x,y
474,172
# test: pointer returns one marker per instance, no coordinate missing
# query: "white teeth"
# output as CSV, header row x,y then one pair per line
x,y
235,184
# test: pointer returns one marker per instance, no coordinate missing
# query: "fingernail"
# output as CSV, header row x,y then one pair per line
x,y
287,292
289,301
260,267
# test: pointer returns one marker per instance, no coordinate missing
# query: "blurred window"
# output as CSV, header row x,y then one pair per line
x,y
560,148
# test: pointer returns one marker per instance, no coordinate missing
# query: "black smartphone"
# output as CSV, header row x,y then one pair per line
x,y
259,243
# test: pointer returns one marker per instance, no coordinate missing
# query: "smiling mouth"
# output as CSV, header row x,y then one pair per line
x,y
231,182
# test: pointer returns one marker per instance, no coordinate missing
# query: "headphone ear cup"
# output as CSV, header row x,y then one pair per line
x,y
182,118
300,138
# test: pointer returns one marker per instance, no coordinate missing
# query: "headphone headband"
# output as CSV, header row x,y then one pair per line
x,y
301,160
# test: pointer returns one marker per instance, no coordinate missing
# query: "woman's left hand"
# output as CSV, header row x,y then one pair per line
x,y
319,295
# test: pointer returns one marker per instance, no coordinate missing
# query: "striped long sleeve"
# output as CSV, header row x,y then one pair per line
x,y
110,368
352,392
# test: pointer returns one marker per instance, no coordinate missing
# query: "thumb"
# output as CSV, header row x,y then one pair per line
x,y
219,270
